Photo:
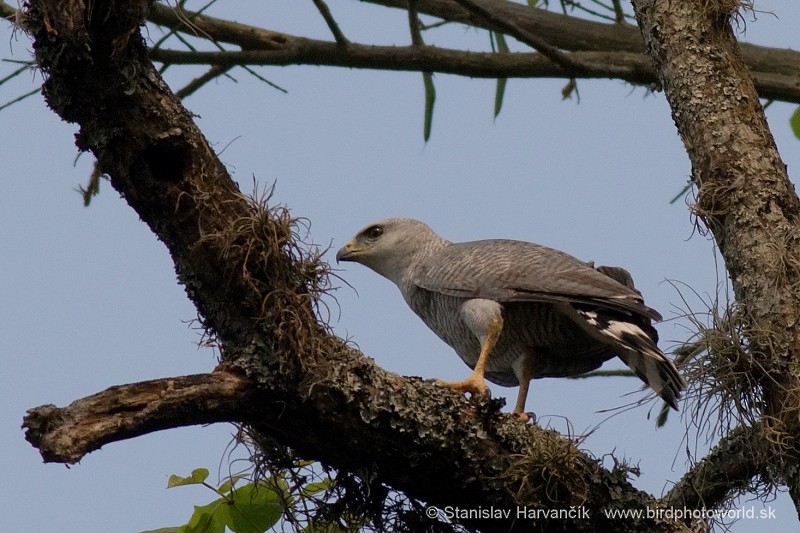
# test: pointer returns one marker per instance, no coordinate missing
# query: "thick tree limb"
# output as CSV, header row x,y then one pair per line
x,y
744,196
66,434
577,34
422,463
724,473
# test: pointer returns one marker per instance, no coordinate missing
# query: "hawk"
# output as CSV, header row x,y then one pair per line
x,y
514,311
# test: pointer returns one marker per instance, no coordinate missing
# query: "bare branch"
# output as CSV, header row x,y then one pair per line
x,y
633,68
211,74
630,67
325,11
609,50
511,28
66,434
770,67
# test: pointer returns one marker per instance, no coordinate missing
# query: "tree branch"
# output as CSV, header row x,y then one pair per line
x,y
728,470
633,68
325,11
433,446
744,197
211,74
767,64
521,34
605,50
122,412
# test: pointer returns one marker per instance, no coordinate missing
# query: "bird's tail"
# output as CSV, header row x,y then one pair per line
x,y
639,351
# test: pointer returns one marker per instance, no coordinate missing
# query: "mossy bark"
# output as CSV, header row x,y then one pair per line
x,y
744,197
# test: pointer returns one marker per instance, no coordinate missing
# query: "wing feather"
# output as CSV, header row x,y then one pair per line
x,y
516,271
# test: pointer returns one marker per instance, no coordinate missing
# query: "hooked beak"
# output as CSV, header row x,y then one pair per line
x,y
347,252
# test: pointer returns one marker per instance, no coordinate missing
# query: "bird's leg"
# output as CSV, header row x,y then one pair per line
x,y
525,377
475,383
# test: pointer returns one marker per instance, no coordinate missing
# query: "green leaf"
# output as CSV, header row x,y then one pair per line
x,y
229,483
208,518
500,91
794,122
280,483
661,419
430,99
316,487
252,509
198,476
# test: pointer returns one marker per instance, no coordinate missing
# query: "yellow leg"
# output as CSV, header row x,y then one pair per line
x,y
475,383
524,384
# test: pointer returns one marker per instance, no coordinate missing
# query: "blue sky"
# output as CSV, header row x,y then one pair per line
x,y
90,298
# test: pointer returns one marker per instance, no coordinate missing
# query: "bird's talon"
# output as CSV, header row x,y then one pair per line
x,y
526,417
473,386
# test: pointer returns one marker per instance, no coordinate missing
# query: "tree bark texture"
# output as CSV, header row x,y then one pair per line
x,y
744,197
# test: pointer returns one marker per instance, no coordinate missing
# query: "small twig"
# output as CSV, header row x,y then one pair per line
x,y
20,98
433,25
540,45
581,7
214,72
261,78
414,24
341,40
20,70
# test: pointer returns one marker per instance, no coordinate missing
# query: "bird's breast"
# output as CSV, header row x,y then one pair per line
x,y
559,344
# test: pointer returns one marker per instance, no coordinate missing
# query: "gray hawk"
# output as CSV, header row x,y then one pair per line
x,y
515,311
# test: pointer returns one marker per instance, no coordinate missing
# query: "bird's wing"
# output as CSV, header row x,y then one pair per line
x,y
516,271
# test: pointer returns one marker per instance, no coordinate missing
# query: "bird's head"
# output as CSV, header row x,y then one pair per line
x,y
390,246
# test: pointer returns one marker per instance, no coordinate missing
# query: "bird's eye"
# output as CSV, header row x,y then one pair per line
x,y
374,232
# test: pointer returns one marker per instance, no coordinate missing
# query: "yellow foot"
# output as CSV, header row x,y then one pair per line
x,y
473,385
526,417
